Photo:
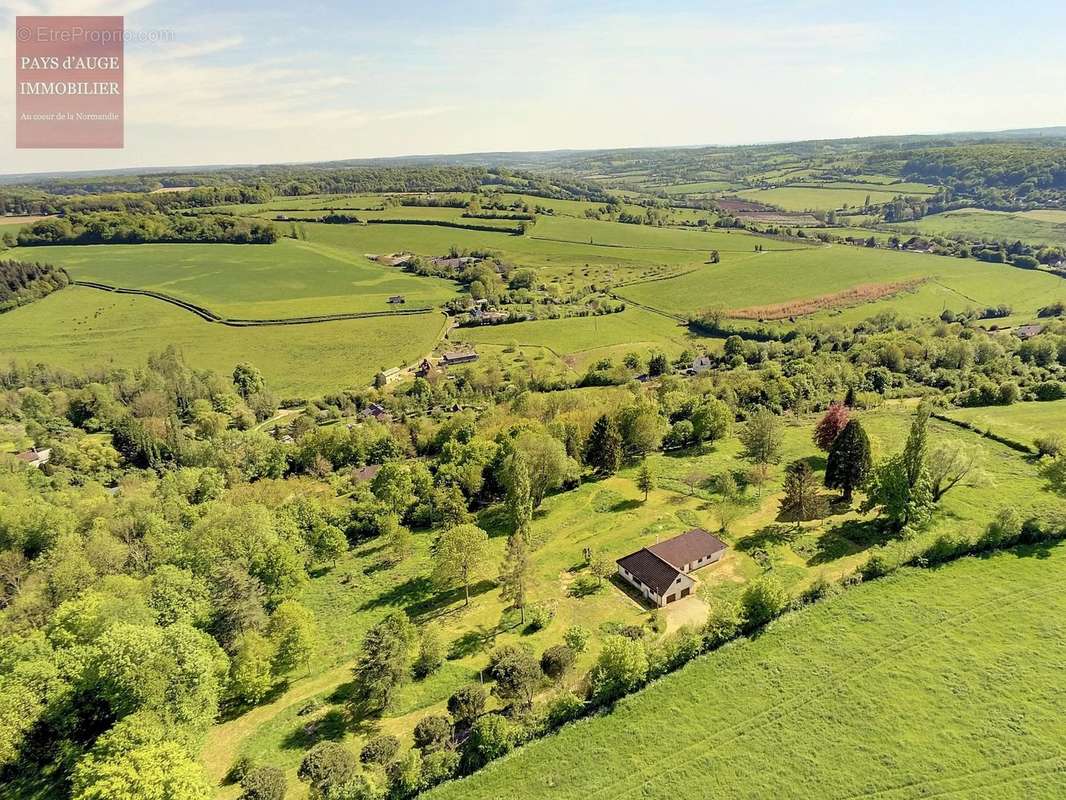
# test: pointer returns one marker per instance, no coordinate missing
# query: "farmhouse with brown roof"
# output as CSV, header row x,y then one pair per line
x,y
35,458
661,572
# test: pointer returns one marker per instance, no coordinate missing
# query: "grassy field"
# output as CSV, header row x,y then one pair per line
x,y
927,683
769,277
1022,422
286,279
610,517
77,328
635,328
1031,227
803,198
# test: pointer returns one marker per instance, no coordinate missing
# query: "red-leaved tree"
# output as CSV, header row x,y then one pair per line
x,y
830,426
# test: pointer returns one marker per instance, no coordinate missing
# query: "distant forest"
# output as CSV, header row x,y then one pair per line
x,y
123,228
22,282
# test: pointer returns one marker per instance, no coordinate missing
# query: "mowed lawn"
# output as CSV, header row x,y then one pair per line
x,y
286,279
1031,227
941,682
765,278
80,328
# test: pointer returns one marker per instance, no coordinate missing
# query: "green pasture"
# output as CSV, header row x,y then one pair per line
x,y
804,198
928,683
635,328
286,279
1031,227
79,328
1022,422
764,278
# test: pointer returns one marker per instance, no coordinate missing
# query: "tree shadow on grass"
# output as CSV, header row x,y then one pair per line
x,y
331,726
848,538
496,521
767,536
412,590
438,604
474,641
626,505
232,710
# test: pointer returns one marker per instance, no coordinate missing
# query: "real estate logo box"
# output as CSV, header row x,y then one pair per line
x,y
69,82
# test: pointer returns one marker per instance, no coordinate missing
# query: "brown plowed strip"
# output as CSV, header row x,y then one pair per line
x,y
863,293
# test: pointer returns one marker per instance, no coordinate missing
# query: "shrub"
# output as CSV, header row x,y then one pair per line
x,y
762,600
438,767
621,667
328,766
433,733
1004,529
876,566
405,774
264,783
241,767
556,661
584,585
540,615
379,750
820,589
1050,390
723,624
563,708
1051,444
491,737
430,652
467,704
577,638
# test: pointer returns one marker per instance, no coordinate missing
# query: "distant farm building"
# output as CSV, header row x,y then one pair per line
x,y
376,411
35,458
387,376
397,299
701,364
457,357
661,572
1027,331
424,368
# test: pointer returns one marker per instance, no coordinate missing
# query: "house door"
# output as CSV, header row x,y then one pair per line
x,y
685,592
671,598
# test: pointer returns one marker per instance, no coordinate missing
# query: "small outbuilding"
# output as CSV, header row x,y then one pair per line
x,y
397,299
457,357
661,572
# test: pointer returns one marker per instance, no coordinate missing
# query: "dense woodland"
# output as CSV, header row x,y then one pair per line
x,y
22,283
127,228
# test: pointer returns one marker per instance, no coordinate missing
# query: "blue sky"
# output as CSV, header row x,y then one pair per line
x,y
261,82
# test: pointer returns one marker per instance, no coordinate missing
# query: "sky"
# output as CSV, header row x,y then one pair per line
x,y
268,82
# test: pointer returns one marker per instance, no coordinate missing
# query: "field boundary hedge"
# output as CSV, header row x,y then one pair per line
x,y
439,223
1006,441
208,315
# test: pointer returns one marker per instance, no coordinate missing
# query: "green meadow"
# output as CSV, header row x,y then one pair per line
x,y
1022,422
79,328
813,197
636,328
1031,227
759,279
286,279
928,683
